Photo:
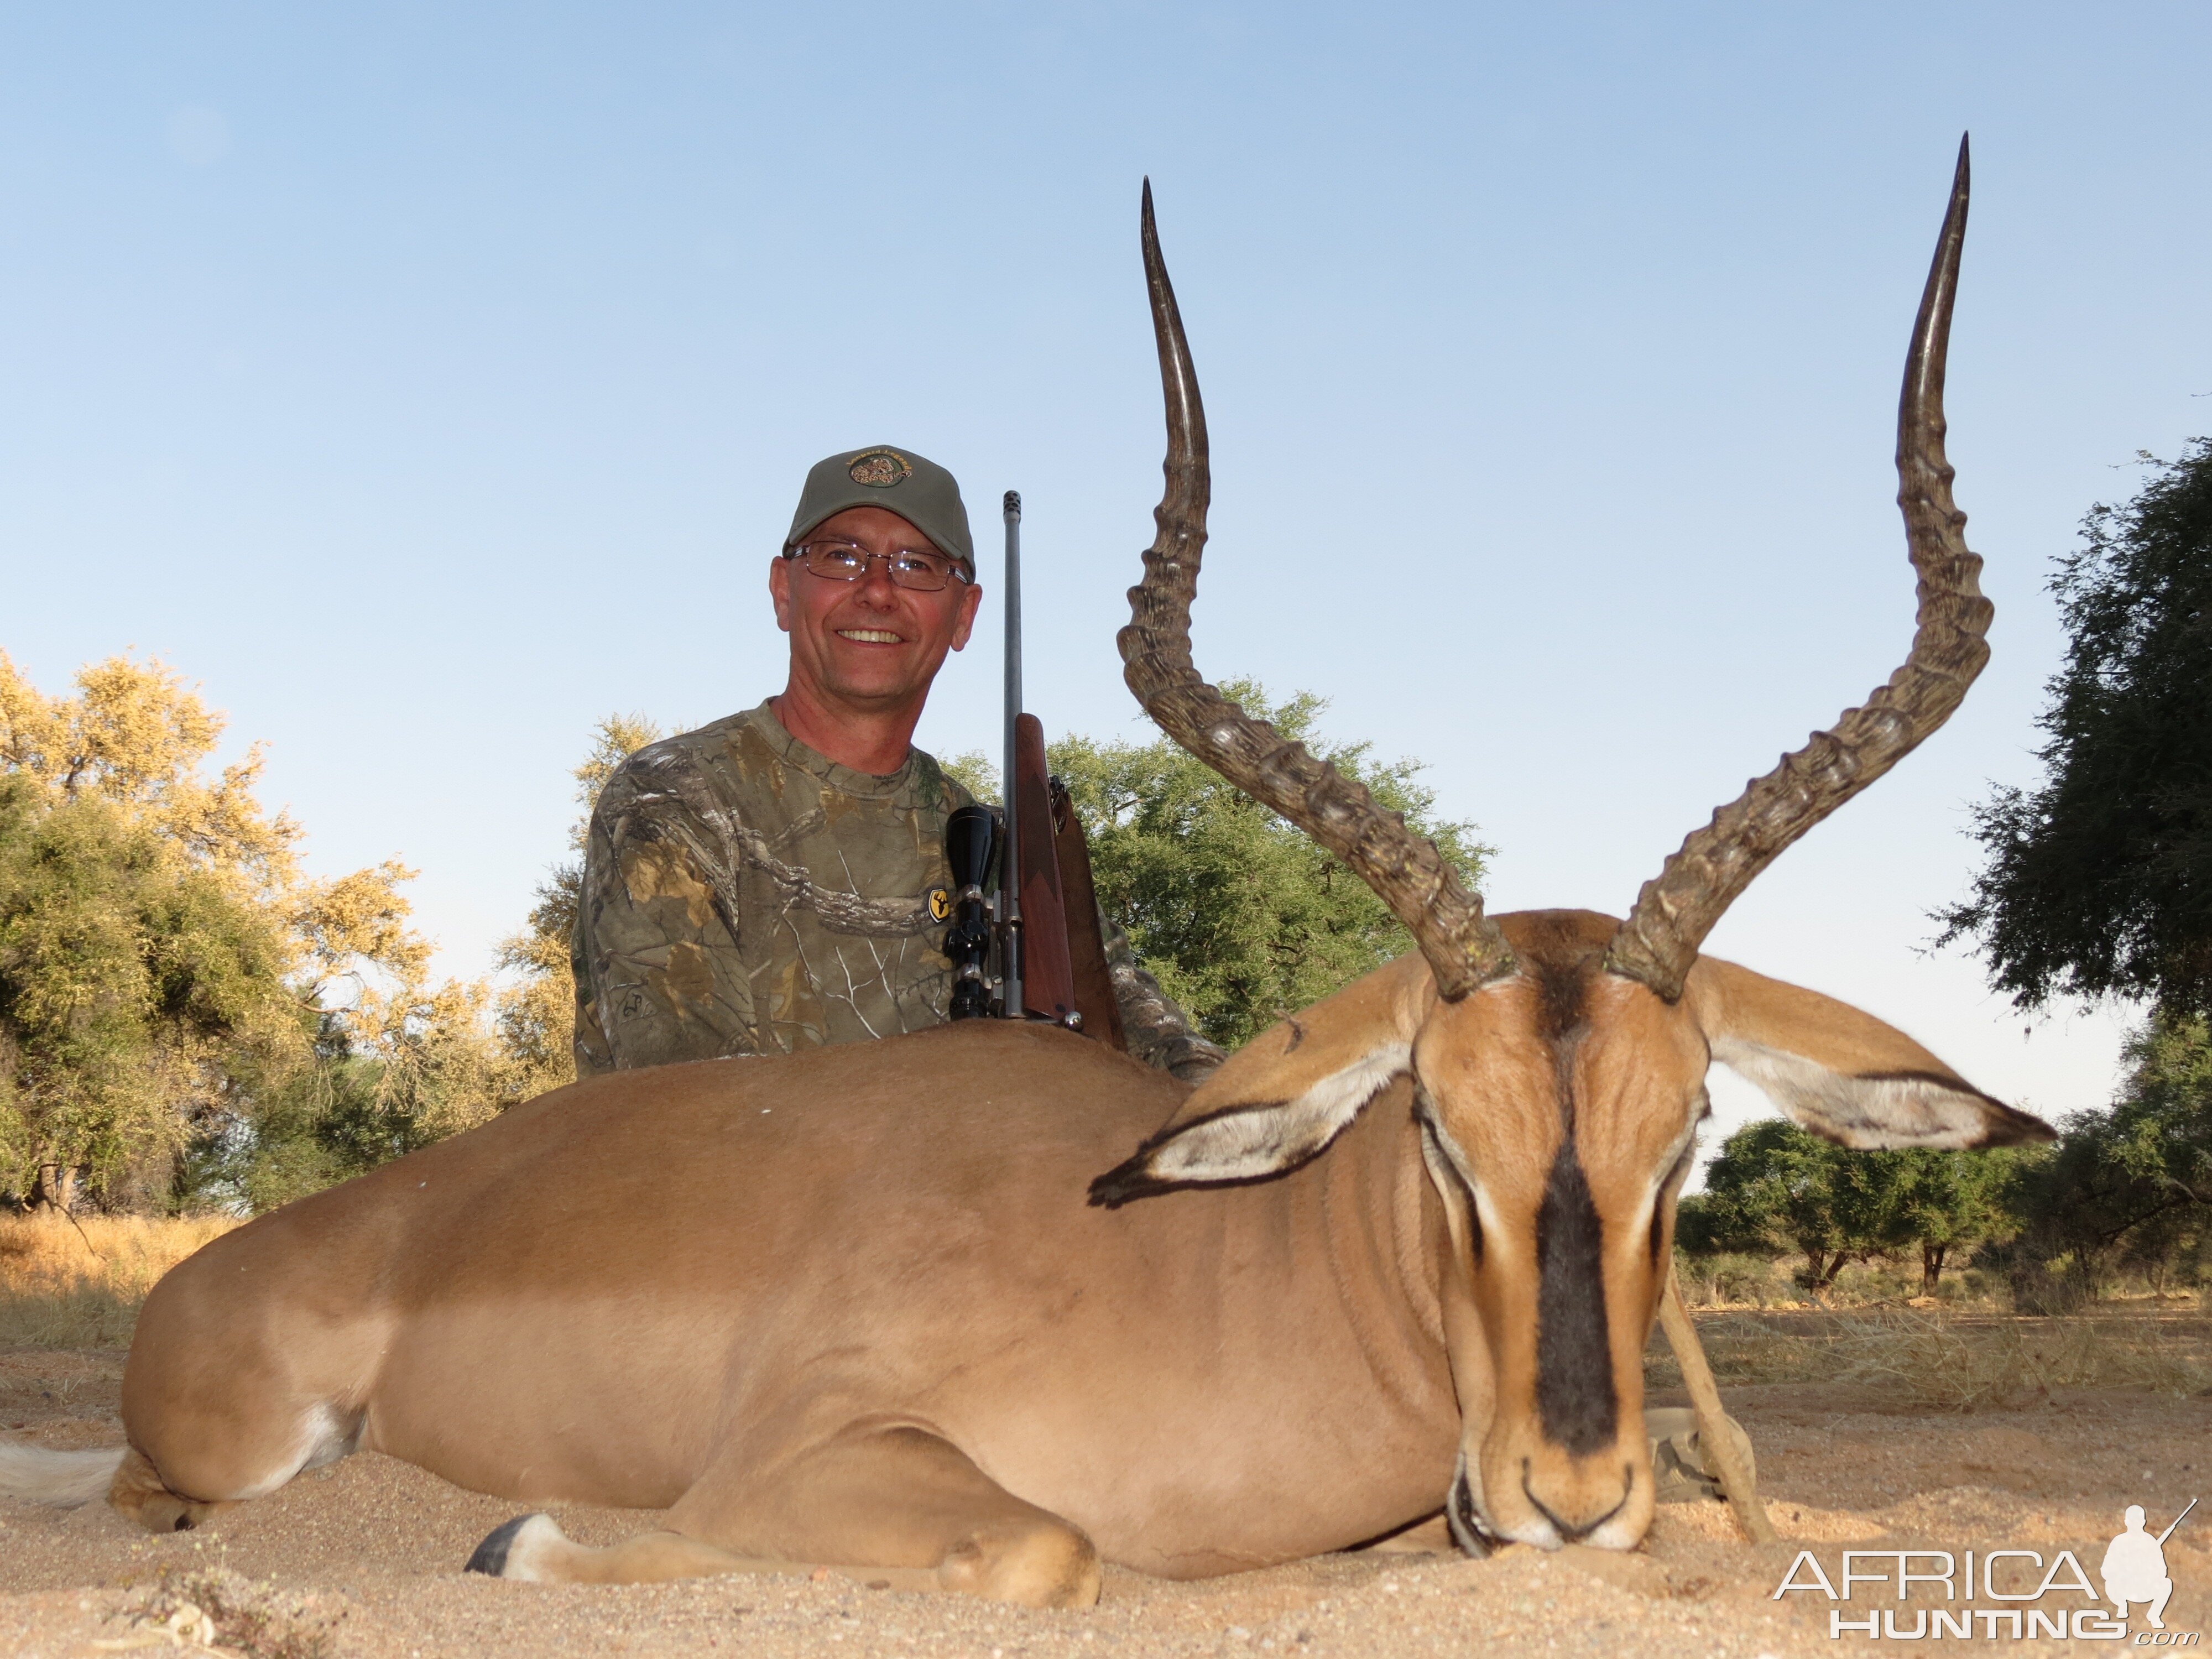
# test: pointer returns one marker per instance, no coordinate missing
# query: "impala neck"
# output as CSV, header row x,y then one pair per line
x,y
1388,1243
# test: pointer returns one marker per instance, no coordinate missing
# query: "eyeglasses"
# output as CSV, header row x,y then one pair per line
x,y
842,561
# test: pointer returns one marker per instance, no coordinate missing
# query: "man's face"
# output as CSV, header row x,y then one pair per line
x,y
869,644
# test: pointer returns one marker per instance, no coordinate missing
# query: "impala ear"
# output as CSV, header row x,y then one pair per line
x,y
1282,1098
1841,1072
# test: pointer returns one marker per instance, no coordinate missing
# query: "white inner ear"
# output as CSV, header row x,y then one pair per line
x,y
1868,1113
1244,1143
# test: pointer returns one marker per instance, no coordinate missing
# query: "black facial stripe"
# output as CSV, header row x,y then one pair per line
x,y
1559,993
1561,1022
1574,1352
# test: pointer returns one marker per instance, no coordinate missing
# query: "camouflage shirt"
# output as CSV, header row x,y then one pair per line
x,y
744,894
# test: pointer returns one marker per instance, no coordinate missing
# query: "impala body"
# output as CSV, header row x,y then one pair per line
x,y
915,1306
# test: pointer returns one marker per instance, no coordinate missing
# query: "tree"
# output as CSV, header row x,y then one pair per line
x,y
1775,1187
1242,917
2098,881
1945,1200
126,970
172,985
2130,1186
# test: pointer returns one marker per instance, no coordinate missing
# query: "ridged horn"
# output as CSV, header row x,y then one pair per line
x,y
1678,908
1462,946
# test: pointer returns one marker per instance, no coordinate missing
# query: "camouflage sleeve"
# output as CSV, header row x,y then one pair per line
x,y
658,974
1160,1034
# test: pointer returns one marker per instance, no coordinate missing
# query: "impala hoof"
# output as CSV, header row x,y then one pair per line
x,y
507,1553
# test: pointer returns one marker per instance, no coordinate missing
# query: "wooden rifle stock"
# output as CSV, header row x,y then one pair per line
x,y
1051,952
1064,973
1048,980
1086,941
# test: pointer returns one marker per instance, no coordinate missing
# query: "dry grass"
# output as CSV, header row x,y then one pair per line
x,y
78,1286
1938,1360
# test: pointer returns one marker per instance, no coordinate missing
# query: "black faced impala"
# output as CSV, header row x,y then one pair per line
x,y
877,1306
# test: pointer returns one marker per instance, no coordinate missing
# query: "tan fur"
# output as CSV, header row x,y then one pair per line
x,y
820,1319
1634,1068
850,1307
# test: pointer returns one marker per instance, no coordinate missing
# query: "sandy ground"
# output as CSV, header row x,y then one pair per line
x,y
363,1559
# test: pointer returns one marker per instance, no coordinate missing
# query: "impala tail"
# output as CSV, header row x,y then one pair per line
x,y
35,1474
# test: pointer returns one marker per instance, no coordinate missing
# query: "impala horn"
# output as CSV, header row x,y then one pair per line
x,y
1678,908
1462,946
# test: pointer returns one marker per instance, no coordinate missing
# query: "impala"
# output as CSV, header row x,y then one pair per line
x,y
878,1307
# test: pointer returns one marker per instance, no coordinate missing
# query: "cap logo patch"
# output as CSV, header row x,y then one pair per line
x,y
880,469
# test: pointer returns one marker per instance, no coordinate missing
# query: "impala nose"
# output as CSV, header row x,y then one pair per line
x,y
1579,1505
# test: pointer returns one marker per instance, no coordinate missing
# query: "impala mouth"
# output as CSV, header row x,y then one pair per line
x,y
1463,1513
869,636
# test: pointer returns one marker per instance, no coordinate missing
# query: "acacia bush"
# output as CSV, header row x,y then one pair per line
x,y
1242,917
2098,881
187,1017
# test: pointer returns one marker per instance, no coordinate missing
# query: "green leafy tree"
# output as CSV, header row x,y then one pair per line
x,y
2098,881
1945,1201
2129,1186
172,985
1774,1187
126,973
1242,917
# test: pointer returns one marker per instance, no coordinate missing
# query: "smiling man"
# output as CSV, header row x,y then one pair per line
x,y
777,880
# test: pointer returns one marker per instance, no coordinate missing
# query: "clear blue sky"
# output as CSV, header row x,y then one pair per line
x,y
428,381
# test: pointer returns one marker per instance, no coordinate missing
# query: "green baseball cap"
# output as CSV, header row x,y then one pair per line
x,y
920,491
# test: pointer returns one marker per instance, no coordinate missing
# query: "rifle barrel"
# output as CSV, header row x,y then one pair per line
x,y
2176,1522
1010,906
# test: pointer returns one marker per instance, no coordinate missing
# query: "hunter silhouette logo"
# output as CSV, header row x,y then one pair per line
x,y
2133,1570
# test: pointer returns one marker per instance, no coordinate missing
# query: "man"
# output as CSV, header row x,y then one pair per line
x,y
777,880
2133,1568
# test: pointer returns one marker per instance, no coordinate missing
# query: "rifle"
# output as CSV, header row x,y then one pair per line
x,y
2176,1522
1043,919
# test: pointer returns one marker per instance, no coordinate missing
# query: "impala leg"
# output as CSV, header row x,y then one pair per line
x,y
896,1496
140,1494
890,1504
1713,1423
533,1548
